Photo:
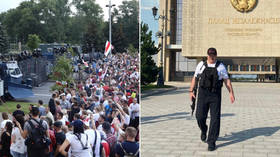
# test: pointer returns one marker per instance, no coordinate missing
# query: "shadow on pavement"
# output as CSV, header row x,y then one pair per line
x,y
227,114
173,116
179,90
246,135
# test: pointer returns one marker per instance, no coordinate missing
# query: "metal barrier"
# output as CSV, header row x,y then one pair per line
x,y
35,68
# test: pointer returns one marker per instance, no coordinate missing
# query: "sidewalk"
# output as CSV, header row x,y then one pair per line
x,y
249,128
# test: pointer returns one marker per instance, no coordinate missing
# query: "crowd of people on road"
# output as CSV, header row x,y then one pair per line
x,y
95,116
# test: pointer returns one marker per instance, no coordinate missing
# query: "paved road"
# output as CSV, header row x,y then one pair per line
x,y
40,93
249,128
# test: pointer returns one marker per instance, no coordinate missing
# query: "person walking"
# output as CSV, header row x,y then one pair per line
x,y
211,74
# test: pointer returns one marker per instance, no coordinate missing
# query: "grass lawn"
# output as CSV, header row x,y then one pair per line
x,y
10,106
152,86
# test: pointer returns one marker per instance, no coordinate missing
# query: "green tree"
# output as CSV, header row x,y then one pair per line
x,y
93,38
3,40
132,50
62,72
149,70
33,41
90,17
129,11
125,26
54,16
22,21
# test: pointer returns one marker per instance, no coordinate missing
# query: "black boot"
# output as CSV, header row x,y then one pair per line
x,y
211,146
203,136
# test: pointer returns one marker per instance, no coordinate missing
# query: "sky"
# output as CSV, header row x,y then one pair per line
x,y
147,16
9,4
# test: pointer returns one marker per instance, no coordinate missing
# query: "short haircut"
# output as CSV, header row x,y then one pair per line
x,y
40,102
131,132
60,114
106,127
18,106
35,111
77,115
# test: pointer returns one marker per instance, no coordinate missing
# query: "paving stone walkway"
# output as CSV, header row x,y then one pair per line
x,y
249,128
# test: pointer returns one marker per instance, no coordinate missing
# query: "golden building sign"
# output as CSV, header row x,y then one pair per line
x,y
245,31
244,5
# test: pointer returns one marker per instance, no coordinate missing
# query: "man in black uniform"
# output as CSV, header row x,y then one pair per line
x,y
211,74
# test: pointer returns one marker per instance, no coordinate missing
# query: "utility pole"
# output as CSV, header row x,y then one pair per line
x,y
161,35
110,20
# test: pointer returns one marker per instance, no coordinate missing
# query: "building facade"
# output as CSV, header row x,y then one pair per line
x,y
246,34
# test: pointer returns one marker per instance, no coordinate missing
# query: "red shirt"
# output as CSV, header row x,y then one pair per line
x,y
106,148
130,101
53,141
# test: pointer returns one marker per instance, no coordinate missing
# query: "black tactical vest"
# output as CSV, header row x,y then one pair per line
x,y
209,79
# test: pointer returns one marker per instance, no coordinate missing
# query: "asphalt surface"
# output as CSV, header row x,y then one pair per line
x,y
40,93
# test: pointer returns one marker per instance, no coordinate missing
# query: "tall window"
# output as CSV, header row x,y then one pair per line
x,y
255,68
233,67
273,68
244,67
179,23
265,67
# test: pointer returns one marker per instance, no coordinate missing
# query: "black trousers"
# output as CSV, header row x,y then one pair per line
x,y
31,152
208,100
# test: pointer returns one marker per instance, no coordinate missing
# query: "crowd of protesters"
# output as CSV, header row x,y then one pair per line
x,y
96,116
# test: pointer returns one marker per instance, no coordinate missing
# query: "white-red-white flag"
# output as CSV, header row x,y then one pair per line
x,y
108,48
85,63
104,73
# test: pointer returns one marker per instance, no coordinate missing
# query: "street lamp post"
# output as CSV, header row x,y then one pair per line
x,y
110,20
161,35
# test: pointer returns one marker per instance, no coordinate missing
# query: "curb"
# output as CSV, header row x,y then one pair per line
x,y
157,91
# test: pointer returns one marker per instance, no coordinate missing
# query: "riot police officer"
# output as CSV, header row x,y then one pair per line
x,y
211,73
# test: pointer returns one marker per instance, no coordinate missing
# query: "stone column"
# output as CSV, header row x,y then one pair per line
x,y
277,69
167,60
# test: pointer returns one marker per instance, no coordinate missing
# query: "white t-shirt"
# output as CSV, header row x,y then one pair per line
x,y
100,129
18,146
91,137
49,114
3,124
134,107
68,97
62,121
96,116
126,119
222,71
76,147
69,133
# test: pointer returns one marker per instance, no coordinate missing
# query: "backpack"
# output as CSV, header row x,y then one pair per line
x,y
209,79
129,154
37,139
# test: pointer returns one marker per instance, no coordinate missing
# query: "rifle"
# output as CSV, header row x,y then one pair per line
x,y
195,93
